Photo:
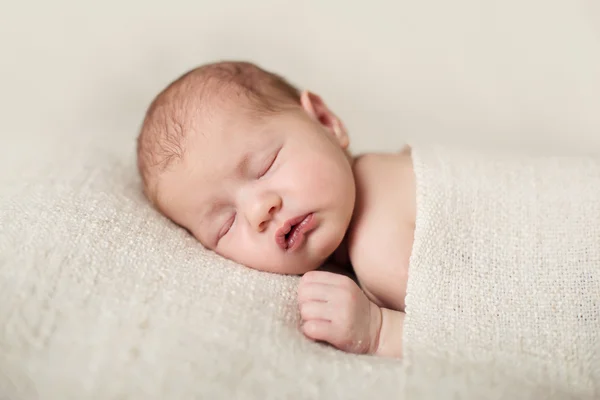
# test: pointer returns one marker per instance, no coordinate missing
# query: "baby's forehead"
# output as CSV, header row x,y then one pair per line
x,y
225,138
209,159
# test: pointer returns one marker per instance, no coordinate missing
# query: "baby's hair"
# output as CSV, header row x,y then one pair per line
x,y
176,110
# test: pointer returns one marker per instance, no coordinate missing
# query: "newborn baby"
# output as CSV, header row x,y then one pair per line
x,y
260,172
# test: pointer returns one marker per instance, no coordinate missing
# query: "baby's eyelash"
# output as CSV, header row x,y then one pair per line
x,y
227,227
269,165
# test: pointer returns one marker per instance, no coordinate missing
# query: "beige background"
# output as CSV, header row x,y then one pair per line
x,y
509,71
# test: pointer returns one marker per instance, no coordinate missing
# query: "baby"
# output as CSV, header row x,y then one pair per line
x,y
260,172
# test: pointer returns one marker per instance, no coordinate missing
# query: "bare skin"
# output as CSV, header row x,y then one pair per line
x,y
379,244
244,189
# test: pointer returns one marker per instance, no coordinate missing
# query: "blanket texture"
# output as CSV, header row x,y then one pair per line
x,y
102,298
506,264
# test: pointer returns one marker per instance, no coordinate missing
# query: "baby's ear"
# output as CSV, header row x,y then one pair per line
x,y
318,110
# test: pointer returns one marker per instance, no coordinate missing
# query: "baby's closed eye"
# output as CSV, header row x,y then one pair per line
x,y
227,227
266,166
268,163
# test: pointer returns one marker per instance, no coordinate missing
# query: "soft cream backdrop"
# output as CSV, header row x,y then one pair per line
x,y
513,70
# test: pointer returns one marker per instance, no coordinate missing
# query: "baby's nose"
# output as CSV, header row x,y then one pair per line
x,y
265,221
264,211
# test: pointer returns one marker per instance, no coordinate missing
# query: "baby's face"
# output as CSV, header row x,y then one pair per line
x,y
275,195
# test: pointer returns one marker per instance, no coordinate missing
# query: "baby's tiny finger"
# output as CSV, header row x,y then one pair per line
x,y
317,329
321,277
315,310
314,292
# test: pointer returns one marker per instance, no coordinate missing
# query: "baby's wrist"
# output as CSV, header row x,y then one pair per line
x,y
375,328
389,343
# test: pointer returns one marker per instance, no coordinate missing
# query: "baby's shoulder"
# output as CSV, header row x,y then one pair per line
x,y
385,189
381,233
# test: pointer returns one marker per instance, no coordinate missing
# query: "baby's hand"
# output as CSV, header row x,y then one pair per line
x,y
335,310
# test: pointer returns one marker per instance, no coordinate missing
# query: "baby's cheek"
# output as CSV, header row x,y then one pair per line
x,y
320,178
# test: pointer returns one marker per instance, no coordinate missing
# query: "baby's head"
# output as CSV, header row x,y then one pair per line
x,y
253,168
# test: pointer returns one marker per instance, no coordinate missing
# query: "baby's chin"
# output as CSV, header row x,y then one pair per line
x,y
304,269
296,268
292,267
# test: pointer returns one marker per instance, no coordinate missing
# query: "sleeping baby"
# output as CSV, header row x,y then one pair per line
x,y
503,249
260,172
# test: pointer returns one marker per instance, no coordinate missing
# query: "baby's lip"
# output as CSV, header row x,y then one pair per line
x,y
308,224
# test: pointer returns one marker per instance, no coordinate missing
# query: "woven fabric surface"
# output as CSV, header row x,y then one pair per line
x,y
505,266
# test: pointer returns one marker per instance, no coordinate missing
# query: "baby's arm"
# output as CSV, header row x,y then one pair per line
x,y
335,310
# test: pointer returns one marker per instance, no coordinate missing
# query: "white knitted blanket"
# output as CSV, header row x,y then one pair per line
x,y
505,268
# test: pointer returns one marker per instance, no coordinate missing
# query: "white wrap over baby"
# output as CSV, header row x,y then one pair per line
x,y
505,267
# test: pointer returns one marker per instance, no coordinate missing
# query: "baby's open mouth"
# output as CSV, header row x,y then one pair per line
x,y
291,235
